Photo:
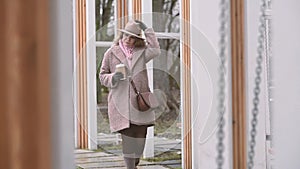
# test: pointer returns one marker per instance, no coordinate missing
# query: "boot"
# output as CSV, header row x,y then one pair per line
x,y
137,161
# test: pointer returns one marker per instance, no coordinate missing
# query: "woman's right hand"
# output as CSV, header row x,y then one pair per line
x,y
117,77
142,25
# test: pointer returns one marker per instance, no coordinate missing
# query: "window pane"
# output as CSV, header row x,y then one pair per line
x,y
105,20
166,15
102,92
166,77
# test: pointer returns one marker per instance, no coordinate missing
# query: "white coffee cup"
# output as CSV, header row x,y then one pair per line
x,y
121,68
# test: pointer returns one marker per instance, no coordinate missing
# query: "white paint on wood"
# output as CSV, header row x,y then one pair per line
x,y
91,74
61,84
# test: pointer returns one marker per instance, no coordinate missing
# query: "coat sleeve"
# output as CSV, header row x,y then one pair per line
x,y
105,74
152,50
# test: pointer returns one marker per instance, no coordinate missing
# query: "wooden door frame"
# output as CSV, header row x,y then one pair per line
x,y
186,83
239,127
81,114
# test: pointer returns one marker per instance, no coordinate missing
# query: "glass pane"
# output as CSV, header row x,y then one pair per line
x,y
107,141
166,16
105,20
102,92
166,75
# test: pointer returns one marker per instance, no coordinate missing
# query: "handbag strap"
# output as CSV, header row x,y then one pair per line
x,y
134,88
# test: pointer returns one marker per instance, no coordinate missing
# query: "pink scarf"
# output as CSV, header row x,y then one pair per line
x,y
127,50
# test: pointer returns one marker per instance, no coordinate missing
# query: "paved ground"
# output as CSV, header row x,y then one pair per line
x,y
113,159
99,160
160,144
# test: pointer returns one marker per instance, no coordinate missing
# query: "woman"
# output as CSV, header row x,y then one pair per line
x,y
134,51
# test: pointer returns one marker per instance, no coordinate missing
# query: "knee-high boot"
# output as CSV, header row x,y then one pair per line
x,y
137,161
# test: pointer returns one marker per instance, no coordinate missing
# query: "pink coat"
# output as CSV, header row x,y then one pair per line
x,y
121,97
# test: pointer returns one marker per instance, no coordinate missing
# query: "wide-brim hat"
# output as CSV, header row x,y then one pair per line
x,y
133,28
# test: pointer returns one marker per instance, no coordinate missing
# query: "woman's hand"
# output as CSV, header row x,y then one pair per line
x,y
142,25
117,77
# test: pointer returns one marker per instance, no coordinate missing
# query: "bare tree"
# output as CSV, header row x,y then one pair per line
x,y
104,14
165,21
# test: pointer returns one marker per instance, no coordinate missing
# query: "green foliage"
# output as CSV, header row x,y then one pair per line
x,y
108,147
169,155
100,88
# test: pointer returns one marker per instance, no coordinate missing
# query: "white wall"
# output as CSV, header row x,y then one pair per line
x,y
204,41
287,83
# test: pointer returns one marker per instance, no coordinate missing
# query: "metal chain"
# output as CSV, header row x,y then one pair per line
x,y
258,70
223,45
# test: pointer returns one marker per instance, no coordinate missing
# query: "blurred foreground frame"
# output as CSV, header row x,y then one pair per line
x,y
25,124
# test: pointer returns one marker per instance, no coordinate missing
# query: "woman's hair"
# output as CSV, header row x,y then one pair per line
x,y
138,42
